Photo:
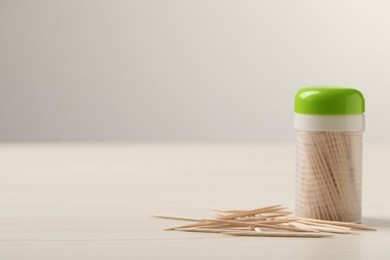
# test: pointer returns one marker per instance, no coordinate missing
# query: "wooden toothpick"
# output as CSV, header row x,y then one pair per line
x,y
271,221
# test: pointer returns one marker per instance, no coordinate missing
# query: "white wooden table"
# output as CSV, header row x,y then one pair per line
x,y
93,201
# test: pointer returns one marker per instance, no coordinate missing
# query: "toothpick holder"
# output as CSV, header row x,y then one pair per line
x,y
329,126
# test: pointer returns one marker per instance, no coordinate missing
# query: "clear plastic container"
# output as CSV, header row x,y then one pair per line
x,y
329,175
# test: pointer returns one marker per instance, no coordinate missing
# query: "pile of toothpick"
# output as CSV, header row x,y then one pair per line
x,y
271,221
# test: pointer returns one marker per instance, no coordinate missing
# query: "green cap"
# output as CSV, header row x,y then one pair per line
x,y
326,100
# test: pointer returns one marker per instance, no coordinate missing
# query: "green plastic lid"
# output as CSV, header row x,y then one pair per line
x,y
325,100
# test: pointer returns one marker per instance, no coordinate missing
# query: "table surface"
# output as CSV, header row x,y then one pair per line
x,y
94,201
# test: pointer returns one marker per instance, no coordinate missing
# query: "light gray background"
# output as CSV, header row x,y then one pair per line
x,y
184,70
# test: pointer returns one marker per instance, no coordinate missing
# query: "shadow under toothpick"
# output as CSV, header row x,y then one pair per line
x,y
377,222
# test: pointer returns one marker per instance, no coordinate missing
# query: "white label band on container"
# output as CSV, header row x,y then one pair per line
x,y
348,123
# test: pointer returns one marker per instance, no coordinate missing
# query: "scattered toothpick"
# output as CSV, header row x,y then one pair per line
x,y
270,221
